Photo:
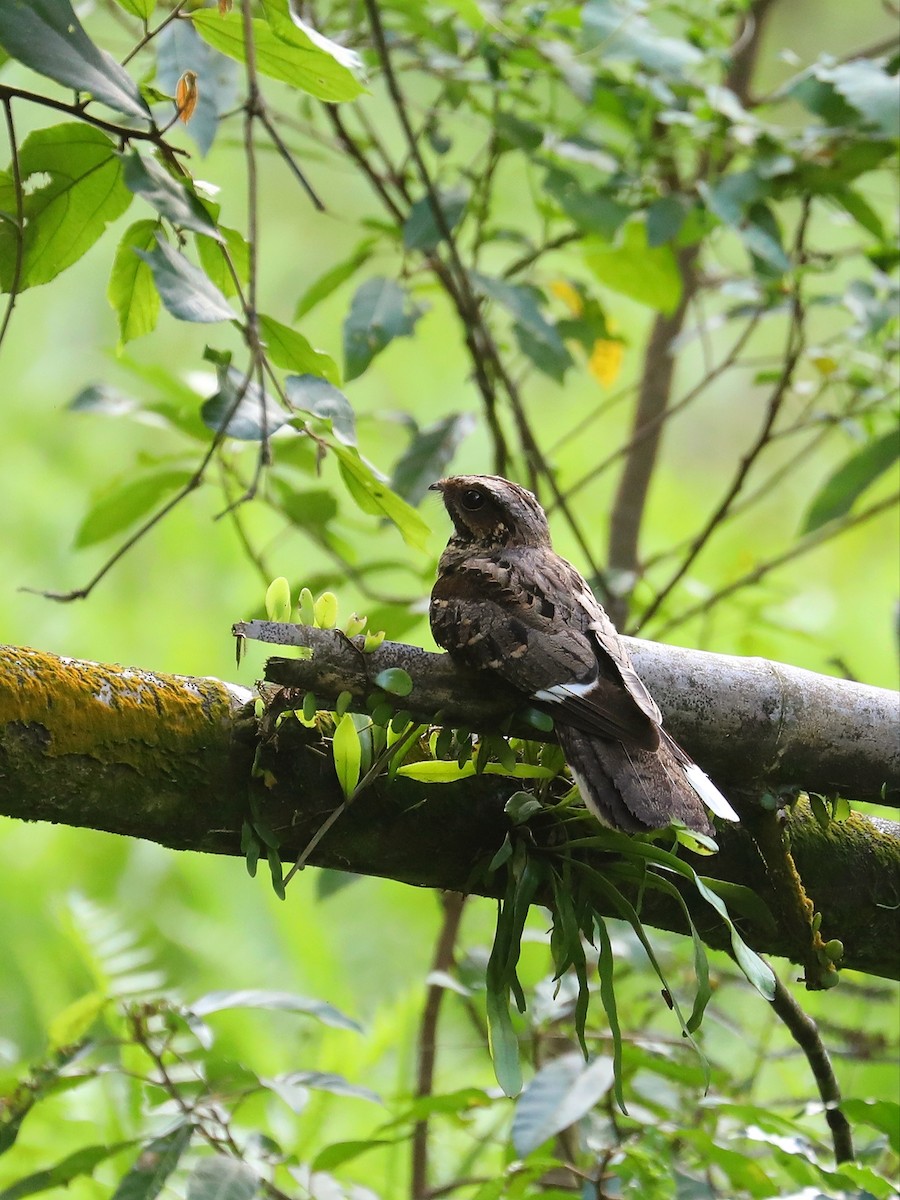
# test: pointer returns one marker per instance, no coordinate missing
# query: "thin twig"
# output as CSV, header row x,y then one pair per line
x,y
803,1030
20,218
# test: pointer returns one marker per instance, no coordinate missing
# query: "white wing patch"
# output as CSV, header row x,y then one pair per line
x,y
709,793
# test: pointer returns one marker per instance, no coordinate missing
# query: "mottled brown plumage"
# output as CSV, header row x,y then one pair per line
x,y
505,602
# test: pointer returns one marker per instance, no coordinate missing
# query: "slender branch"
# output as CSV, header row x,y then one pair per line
x,y
805,1033
20,218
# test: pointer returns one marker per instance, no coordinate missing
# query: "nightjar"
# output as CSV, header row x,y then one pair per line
x,y
505,602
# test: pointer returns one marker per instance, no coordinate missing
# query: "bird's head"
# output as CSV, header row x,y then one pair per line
x,y
488,511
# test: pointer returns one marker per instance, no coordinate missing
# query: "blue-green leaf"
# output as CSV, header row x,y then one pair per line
x,y
214,1002
172,198
620,31
186,291
47,36
380,311
240,410
562,1092
420,229
428,454
320,398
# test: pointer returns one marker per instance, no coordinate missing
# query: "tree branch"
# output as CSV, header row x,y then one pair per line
x,y
170,759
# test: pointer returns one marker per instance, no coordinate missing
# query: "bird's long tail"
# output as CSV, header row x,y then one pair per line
x,y
639,790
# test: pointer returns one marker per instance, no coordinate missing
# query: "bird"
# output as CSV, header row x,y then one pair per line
x,y
505,603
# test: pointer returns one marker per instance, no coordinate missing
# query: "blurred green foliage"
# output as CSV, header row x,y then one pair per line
x,y
594,145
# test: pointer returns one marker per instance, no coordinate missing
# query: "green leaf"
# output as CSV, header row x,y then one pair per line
x,y
125,503
250,418
131,291
394,680
310,509
562,1092
318,67
180,48
437,771
77,192
339,1153
325,1081
373,496
428,455
214,1002
883,1115
380,311
850,480
185,291
47,36
278,600
502,1041
333,278
347,754
871,91
536,336
222,1178
172,198
75,1020
74,1166
594,212
619,31
153,1166
646,273
420,229
325,611
212,259
665,218
138,8
320,398
289,349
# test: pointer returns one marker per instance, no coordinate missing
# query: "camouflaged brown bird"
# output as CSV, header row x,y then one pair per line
x,y
505,602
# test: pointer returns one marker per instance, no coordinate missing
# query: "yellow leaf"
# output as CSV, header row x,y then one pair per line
x,y
605,362
563,290
186,95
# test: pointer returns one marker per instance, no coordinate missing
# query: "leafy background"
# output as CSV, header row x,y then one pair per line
x,y
77,907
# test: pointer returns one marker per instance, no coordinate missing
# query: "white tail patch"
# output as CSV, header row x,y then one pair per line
x,y
709,793
562,691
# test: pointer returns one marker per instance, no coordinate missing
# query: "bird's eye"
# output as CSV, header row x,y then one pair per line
x,y
473,500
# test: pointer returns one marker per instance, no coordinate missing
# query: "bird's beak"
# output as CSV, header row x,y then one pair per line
x,y
437,486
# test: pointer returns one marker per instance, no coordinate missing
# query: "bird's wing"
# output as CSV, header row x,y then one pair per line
x,y
524,617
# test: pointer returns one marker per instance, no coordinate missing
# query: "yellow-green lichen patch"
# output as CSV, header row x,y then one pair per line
x,y
110,713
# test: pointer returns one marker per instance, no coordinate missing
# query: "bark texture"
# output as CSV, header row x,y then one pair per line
x,y
169,759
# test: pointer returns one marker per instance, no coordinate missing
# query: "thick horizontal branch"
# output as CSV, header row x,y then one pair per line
x,y
751,723
169,759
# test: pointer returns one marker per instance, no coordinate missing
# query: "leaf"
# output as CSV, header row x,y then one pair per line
x,y
180,49
214,1002
420,229
561,1093
374,496
883,1115
429,454
138,8
327,1081
394,680
75,1020
322,399
299,62
380,311
74,1166
221,1178
339,1153
131,291
153,1166
310,509
594,212
850,480
77,192
619,31
47,36
347,754
647,274
187,293
665,218
171,197
125,503
871,91
213,259
289,349
278,600
438,771
537,337
251,418
333,278
502,1040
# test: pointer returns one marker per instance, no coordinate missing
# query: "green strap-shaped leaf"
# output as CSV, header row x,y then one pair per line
x,y
850,480
347,754
47,36
153,1166
214,1002
374,496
